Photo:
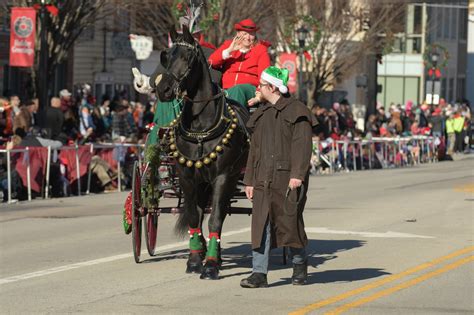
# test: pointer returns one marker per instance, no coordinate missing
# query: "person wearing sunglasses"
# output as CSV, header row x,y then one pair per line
x,y
276,176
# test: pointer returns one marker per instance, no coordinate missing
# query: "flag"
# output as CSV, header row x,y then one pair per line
x,y
307,55
288,61
22,37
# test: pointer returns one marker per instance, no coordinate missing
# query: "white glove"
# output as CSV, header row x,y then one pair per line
x,y
141,82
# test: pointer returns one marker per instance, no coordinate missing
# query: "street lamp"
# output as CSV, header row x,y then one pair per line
x,y
301,34
434,62
434,59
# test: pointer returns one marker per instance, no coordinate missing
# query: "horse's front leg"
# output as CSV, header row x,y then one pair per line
x,y
193,214
222,192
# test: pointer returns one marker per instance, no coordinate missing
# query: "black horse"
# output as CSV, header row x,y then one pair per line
x,y
209,143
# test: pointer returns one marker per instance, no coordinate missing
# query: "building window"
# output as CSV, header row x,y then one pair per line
x,y
438,22
444,90
5,23
451,90
446,23
461,88
454,23
463,24
417,20
398,89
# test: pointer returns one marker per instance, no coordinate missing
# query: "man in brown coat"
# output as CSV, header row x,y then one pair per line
x,y
277,175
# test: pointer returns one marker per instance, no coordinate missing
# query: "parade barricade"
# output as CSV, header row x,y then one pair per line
x,y
33,165
330,156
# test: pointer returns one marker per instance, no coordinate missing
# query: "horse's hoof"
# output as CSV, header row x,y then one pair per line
x,y
194,268
210,272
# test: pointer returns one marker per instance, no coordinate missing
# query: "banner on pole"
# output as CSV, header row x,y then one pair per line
x,y
288,61
22,37
141,45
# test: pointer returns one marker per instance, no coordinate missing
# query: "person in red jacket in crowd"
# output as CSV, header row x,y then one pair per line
x,y
242,61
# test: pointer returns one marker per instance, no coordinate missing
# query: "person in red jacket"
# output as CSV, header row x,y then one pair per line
x,y
242,61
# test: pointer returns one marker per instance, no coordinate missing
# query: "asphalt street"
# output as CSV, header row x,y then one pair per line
x,y
396,241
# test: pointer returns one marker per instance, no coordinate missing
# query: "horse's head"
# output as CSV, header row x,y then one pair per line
x,y
180,66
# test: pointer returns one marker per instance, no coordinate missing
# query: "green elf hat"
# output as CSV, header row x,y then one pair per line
x,y
277,77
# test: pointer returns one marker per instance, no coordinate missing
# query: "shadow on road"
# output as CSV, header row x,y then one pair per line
x,y
239,255
346,275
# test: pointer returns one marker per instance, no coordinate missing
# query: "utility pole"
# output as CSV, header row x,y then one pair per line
x,y
43,62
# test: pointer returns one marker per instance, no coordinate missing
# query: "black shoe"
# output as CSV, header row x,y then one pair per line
x,y
256,280
300,273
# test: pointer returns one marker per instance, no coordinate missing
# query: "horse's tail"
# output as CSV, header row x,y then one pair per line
x,y
182,224
191,214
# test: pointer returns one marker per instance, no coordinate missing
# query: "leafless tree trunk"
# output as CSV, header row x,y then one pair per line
x,y
344,33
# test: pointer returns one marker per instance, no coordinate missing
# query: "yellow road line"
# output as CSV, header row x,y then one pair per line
x,y
469,188
380,282
401,286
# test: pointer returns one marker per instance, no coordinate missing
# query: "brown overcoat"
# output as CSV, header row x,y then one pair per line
x,y
280,149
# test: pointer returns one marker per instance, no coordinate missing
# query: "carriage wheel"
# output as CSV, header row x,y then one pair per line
x,y
136,216
151,227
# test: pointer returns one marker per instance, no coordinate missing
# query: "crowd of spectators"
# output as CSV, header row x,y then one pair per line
x,y
81,120
68,120
449,123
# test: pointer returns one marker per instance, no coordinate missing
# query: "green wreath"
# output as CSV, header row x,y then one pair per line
x,y
209,13
443,54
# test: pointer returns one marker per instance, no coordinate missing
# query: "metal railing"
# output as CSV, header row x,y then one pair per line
x,y
46,182
360,154
335,156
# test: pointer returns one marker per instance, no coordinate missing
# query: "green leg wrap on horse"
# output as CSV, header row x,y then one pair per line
x,y
195,244
213,246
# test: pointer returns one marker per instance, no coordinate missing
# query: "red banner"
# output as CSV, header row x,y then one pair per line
x,y
288,61
22,37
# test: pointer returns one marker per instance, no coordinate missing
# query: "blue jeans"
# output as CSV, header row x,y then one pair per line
x,y
261,255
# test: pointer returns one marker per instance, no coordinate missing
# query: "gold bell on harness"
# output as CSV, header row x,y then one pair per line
x,y
206,160
173,147
225,141
198,164
182,160
219,148
189,163
175,154
213,155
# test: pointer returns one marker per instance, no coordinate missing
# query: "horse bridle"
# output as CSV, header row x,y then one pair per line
x,y
179,81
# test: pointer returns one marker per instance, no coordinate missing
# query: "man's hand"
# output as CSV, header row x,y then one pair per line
x,y
294,183
249,192
255,100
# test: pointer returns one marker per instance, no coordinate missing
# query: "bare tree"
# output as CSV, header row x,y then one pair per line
x,y
153,18
342,33
74,16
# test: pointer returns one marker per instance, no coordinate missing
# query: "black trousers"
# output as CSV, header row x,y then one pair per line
x,y
459,144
